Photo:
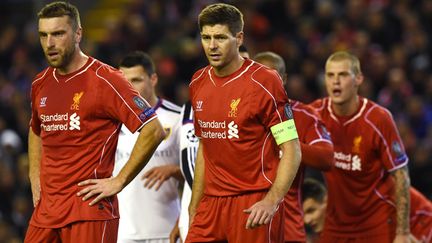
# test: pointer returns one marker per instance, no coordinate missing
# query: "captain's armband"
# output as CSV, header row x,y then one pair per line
x,y
284,131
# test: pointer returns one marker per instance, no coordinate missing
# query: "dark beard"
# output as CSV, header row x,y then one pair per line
x,y
65,59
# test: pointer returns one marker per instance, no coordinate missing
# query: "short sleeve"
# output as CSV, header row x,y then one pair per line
x,y
123,102
271,99
392,151
34,120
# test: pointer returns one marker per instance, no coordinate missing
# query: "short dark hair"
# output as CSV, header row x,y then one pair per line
x,y
60,9
139,58
274,58
313,189
224,14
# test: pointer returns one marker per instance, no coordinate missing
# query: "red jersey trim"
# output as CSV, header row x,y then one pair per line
x,y
110,85
383,198
36,80
82,71
236,77
273,98
359,114
422,212
199,76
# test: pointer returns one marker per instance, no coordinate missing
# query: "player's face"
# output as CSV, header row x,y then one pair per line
x,y
341,82
58,40
220,46
314,213
140,80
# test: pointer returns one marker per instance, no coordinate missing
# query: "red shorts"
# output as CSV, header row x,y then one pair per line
x,y
421,227
326,238
82,231
222,219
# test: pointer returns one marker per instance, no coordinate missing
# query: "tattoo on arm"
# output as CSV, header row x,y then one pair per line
x,y
402,196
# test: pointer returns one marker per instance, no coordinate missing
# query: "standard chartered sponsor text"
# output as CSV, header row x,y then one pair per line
x,y
54,117
59,122
217,129
212,124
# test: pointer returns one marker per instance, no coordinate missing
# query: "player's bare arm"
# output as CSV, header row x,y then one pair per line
x,y
402,198
150,137
198,183
262,212
156,176
34,152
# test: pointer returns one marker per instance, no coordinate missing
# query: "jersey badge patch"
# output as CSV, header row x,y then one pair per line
x,y
288,112
76,100
397,150
234,104
148,112
140,102
324,132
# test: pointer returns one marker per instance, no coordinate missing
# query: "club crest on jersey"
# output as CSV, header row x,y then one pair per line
x,y
43,101
76,100
356,144
234,104
288,112
199,105
140,103
167,132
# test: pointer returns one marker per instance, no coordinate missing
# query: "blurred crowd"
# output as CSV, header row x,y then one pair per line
x,y
391,38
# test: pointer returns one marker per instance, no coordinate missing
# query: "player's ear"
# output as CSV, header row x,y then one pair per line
x,y
239,38
78,35
359,79
154,79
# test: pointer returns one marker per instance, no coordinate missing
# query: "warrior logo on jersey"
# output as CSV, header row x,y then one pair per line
x,y
76,100
140,102
233,105
199,104
356,144
288,112
43,101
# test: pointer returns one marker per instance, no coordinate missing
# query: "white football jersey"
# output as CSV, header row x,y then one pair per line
x,y
147,213
188,149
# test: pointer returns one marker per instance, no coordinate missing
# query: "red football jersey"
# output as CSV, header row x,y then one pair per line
x,y
311,130
420,216
233,116
367,146
78,118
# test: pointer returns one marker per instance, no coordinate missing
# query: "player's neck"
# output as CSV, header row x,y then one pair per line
x,y
229,69
347,108
78,60
153,100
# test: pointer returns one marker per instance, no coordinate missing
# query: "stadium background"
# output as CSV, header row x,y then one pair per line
x,y
392,39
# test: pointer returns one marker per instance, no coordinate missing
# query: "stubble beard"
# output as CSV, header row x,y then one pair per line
x,y
64,60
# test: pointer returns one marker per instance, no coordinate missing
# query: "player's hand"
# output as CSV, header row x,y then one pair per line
x,y
403,238
156,176
35,187
175,234
101,188
260,213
